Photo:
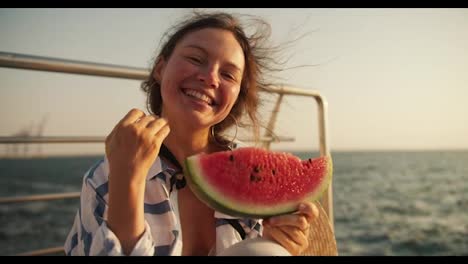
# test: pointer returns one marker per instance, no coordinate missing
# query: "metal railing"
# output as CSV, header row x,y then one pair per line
x,y
39,197
93,139
29,62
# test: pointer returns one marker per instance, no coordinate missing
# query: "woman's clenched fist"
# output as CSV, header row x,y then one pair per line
x,y
134,143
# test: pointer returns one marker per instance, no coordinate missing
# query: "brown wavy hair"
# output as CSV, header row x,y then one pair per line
x,y
257,63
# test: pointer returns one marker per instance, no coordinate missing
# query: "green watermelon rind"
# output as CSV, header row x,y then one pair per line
x,y
218,201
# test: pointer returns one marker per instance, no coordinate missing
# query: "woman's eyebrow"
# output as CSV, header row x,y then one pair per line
x,y
230,64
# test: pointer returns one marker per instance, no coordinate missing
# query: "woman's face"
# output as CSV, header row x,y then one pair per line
x,y
201,80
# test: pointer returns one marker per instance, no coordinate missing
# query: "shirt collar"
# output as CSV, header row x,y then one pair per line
x,y
161,169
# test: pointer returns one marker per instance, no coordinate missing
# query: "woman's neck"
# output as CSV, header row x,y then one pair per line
x,y
183,142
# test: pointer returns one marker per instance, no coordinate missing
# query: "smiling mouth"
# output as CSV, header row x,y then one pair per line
x,y
200,96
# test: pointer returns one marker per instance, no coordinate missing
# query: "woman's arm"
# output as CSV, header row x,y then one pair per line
x,y
90,234
131,148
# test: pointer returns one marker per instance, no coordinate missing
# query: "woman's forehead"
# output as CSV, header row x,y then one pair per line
x,y
215,42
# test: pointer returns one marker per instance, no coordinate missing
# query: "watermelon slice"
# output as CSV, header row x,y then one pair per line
x,y
257,183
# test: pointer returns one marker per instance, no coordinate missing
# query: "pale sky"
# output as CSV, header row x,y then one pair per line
x,y
393,78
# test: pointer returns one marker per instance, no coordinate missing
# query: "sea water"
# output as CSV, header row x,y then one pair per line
x,y
385,203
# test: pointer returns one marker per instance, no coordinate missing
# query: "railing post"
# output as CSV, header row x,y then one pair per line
x,y
271,123
327,198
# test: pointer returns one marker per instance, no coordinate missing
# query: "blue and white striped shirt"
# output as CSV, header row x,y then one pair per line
x,y
90,234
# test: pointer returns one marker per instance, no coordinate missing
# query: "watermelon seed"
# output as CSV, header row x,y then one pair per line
x,y
256,169
273,171
254,178
231,157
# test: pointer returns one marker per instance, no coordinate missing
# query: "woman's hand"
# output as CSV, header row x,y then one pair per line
x,y
134,143
292,230
131,149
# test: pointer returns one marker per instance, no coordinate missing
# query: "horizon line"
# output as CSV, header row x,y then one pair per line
x,y
91,154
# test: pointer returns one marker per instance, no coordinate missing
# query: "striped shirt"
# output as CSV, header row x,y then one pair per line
x,y
90,234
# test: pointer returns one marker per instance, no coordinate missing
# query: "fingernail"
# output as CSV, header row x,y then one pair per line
x,y
302,206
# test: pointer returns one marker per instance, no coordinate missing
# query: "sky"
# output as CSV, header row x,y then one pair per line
x,y
394,79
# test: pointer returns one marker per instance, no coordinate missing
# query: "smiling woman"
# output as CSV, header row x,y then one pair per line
x,y
199,75
224,56
208,69
390,76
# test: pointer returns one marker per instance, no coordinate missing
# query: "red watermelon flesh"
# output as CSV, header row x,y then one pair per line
x,y
254,182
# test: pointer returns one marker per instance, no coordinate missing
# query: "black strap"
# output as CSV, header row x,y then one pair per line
x,y
167,154
235,223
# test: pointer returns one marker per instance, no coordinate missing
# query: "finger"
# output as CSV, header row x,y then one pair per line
x,y
283,239
162,133
144,121
300,237
156,125
309,210
296,220
131,117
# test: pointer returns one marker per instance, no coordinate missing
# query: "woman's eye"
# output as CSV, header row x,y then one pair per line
x,y
195,59
229,76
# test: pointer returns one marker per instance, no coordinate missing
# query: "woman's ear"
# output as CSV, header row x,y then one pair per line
x,y
159,69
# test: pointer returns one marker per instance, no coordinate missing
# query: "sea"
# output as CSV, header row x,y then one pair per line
x,y
389,203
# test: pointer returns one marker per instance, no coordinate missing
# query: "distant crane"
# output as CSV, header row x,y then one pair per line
x,y
13,150
40,130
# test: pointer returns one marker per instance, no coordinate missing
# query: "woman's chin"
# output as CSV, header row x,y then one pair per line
x,y
193,121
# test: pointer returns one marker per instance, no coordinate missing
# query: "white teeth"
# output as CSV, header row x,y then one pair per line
x,y
199,96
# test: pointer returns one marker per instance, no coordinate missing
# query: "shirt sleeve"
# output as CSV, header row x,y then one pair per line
x,y
90,234
253,227
227,235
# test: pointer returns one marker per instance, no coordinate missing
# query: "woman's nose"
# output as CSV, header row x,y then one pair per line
x,y
209,76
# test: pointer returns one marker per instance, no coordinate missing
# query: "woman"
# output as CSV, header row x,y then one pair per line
x,y
135,201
